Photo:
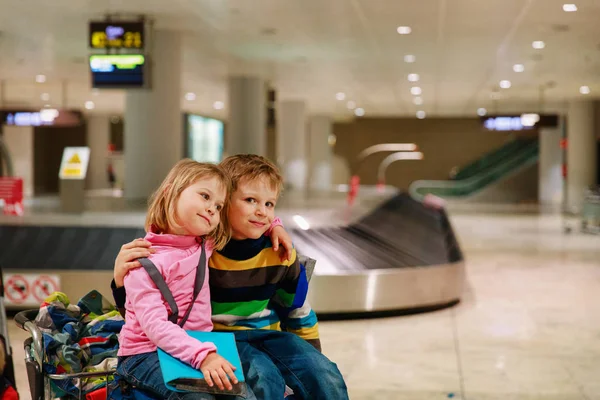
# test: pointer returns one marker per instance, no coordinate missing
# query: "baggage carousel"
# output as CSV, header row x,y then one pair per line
x,y
397,256
402,257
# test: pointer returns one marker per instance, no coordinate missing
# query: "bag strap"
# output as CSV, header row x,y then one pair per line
x,y
160,283
200,275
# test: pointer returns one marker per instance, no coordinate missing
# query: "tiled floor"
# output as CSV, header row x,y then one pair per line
x,y
528,327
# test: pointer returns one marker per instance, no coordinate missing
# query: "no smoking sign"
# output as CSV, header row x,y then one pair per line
x,y
29,289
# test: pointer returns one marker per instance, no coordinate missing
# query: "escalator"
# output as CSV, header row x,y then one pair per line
x,y
492,168
493,158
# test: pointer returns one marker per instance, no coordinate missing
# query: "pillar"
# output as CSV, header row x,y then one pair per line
x,y
98,138
581,153
292,142
550,184
320,153
153,139
246,127
20,144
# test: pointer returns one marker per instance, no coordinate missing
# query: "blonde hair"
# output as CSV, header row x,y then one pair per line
x,y
250,167
162,214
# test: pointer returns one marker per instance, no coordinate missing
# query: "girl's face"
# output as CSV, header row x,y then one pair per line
x,y
198,209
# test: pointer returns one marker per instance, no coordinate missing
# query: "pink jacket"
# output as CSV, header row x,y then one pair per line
x,y
146,323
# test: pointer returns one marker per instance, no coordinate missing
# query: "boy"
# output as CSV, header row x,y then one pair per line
x,y
262,299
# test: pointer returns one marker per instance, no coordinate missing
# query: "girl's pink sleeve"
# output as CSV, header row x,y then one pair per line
x,y
276,222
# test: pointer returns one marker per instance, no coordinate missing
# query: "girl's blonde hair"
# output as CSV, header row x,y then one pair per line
x,y
162,214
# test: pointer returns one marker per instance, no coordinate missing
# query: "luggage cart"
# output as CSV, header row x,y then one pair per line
x,y
40,383
590,213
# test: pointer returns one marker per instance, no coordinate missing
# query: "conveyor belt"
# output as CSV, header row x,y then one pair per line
x,y
402,256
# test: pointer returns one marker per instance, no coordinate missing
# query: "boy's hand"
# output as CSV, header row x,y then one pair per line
x,y
126,259
216,369
280,236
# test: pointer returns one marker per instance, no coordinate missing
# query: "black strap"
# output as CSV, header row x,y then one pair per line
x,y
160,283
200,273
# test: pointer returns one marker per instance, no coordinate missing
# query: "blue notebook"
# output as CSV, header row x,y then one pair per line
x,y
181,377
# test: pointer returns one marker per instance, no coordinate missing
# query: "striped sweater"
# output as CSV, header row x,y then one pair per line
x,y
251,288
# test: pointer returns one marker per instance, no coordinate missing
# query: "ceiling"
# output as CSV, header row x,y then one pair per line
x,y
313,49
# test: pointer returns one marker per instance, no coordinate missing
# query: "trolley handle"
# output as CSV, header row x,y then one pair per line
x,y
25,320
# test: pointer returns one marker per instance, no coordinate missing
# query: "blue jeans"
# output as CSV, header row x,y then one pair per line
x,y
143,371
272,359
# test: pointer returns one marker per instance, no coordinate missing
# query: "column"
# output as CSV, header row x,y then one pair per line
x,y
246,127
581,152
19,142
98,138
153,138
292,142
320,153
550,184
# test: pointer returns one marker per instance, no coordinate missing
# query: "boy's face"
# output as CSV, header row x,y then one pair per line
x,y
252,208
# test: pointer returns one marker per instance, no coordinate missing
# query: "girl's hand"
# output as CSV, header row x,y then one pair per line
x,y
280,236
216,369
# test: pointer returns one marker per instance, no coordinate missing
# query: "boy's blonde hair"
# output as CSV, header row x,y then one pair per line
x,y
250,167
161,216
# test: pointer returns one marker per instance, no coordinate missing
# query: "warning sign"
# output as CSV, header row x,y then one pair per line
x,y
74,163
29,289
16,289
43,287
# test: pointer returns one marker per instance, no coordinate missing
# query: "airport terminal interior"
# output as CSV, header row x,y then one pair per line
x,y
440,161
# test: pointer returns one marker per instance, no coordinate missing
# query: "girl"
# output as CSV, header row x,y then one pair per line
x,y
184,219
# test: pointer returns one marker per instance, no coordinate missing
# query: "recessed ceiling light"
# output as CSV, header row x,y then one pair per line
x,y
89,105
45,96
190,96
40,78
518,68
218,105
95,92
340,96
351,105
416,91
410,58
404,30
481,111
569,7
359,112
505,84
413,77
584,90
538,44
418,101
421,114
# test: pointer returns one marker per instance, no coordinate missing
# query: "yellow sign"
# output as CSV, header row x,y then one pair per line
x,y
74,163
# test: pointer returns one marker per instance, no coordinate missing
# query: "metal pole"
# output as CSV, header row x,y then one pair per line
x,y
381,148
392,158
